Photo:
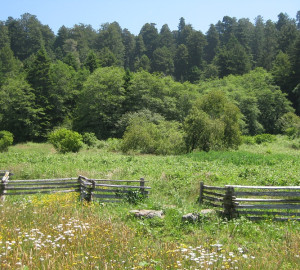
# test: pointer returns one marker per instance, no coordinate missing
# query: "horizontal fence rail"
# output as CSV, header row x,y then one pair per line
x,y
90,189
254,202
112,191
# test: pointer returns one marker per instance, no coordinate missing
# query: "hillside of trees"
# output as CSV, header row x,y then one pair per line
x,y
97,80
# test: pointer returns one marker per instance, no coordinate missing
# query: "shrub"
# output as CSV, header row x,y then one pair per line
x,y
128,117
296,145
213,123
65,140
163,138
290,124
113,144
293,132
101,144
248,140
90,139
6,139
264,138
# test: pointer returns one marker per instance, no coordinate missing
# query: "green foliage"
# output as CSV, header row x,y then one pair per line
x,y
127,118
264,138
248,140
230,49
163,61
63,93
90,139
6,140
40,80
164,138
65,140
261,102
213,123
296,144
132,197
18,113
290,124
233,59
100,102
113,144
91,62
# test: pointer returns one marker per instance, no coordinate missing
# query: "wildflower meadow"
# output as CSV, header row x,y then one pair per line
x,y
58,231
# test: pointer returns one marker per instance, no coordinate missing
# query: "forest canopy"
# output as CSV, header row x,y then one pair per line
x,y
95,81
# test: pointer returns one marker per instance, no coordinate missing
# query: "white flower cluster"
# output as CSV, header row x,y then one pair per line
x,y
62,232
212,258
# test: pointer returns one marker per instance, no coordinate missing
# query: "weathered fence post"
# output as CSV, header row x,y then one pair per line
x,y
80,187
229,204
90,189
201,193
3,184
142,186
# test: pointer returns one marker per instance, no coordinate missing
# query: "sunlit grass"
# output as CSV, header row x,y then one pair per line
x,y
60,232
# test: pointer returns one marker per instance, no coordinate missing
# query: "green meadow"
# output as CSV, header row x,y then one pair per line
x,y
60,232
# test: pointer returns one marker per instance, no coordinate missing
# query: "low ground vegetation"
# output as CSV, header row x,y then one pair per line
x,y
60,232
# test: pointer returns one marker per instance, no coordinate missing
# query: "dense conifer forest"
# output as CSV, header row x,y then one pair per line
x,y
239,76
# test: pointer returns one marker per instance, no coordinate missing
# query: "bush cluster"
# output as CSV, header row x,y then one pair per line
x,y
213,123
164,138
90,139
65,140
6,139
264,138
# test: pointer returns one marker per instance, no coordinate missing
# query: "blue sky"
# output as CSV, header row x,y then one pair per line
x,y
133,14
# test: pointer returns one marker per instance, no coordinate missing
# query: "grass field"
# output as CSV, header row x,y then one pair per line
x,y
59,232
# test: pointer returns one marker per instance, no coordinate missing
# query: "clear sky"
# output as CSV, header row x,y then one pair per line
x,y
133,14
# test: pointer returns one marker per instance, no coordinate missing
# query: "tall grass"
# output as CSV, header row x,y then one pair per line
x,y
60,232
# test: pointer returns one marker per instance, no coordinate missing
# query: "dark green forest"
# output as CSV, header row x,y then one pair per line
x,y
239,76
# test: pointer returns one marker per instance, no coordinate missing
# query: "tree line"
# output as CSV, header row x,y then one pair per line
x,y
98,81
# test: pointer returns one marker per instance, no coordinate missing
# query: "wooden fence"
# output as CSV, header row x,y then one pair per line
x,y
255,202
113,190
89,189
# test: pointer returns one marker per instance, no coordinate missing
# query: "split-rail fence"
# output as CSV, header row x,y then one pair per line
x,y
254,202
104,190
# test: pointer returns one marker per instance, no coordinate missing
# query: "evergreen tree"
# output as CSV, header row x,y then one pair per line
x,y
107,58
166,38
110,36
195,44
129,45
8,64
40,80
258,42
181,62
150,37
287,32
142,63
163,61
244,33
233,59
63,34
213,43
4,37
26,35
85,37
91,62
270,48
